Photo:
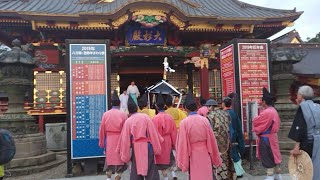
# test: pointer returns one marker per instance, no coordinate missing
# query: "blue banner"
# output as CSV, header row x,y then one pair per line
x,y
146,36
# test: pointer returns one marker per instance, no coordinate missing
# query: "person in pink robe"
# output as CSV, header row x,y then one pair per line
x,y
109,133
266,126
140,133
166,127
196,146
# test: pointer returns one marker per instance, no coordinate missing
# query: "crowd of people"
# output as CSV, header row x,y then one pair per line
x,y
207,142
166,138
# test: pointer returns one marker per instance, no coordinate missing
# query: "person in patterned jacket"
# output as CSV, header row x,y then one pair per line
x,y
220,123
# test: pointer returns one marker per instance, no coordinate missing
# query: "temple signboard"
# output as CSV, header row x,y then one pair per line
x,y
88,100
146,36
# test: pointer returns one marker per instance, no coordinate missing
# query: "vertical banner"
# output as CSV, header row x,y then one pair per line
x,y
253,75
227,70
88,100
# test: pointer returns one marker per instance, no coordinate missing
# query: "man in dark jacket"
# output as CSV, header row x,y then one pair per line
x,y
305,129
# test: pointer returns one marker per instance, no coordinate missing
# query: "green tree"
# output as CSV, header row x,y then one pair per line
x,y
315,39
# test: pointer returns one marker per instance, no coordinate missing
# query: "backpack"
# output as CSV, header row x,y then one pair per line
x,y
7,147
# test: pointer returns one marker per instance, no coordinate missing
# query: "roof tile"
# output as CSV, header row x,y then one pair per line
x,y
209,8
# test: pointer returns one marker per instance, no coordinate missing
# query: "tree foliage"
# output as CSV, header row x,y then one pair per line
x,y
315,39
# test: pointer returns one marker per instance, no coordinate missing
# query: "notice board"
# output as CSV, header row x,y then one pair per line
x,y
88,87
245,70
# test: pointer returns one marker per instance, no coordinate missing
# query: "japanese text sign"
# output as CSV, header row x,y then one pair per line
x,y
227,70
88,97
146,36
254,74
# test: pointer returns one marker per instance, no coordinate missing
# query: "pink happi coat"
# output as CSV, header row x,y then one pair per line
x,y
203,111
261,124
197,148
139,130
110,130
166,127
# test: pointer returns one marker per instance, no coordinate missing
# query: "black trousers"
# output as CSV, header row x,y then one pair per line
x,y
266,154
307,147
153,173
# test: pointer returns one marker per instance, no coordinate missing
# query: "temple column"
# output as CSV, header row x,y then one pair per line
x,y
205,54
204,79
282,61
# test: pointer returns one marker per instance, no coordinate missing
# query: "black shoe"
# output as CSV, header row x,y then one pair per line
x,y
239,176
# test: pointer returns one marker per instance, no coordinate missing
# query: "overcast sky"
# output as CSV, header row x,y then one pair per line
x,y
308,25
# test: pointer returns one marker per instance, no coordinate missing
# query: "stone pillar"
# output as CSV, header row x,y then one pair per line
x,y
282,79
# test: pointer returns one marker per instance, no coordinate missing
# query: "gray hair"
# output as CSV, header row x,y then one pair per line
x,y
306,92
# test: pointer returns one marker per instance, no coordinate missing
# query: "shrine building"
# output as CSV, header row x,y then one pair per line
x,y
142,33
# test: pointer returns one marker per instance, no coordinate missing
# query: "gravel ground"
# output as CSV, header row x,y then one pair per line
x,y
61,171
259,170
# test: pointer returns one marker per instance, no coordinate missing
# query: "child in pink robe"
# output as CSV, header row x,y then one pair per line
x,y
197,149
110,130
166,127
204,110
266,126
139,133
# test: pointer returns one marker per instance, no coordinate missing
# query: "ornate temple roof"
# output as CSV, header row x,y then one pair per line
x,y
219,9
290,37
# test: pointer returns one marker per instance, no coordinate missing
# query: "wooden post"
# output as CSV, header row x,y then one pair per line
x,y
41,123
204,79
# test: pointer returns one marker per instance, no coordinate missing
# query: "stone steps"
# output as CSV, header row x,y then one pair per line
x,y
32,161
37,168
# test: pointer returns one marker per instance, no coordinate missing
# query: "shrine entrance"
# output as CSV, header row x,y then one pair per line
x,y
143,70
142,80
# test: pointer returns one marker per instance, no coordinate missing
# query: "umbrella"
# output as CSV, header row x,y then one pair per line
x,y
300,167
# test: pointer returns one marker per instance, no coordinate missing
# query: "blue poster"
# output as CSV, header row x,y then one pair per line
x,y
88,100
146,36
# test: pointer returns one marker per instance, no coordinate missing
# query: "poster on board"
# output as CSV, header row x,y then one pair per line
x,y
88,87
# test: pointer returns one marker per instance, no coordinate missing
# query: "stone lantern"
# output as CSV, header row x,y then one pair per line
x,y
16,69
283,59
16,78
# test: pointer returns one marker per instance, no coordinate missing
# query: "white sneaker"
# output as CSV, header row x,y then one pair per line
x,y
269,178
278,177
